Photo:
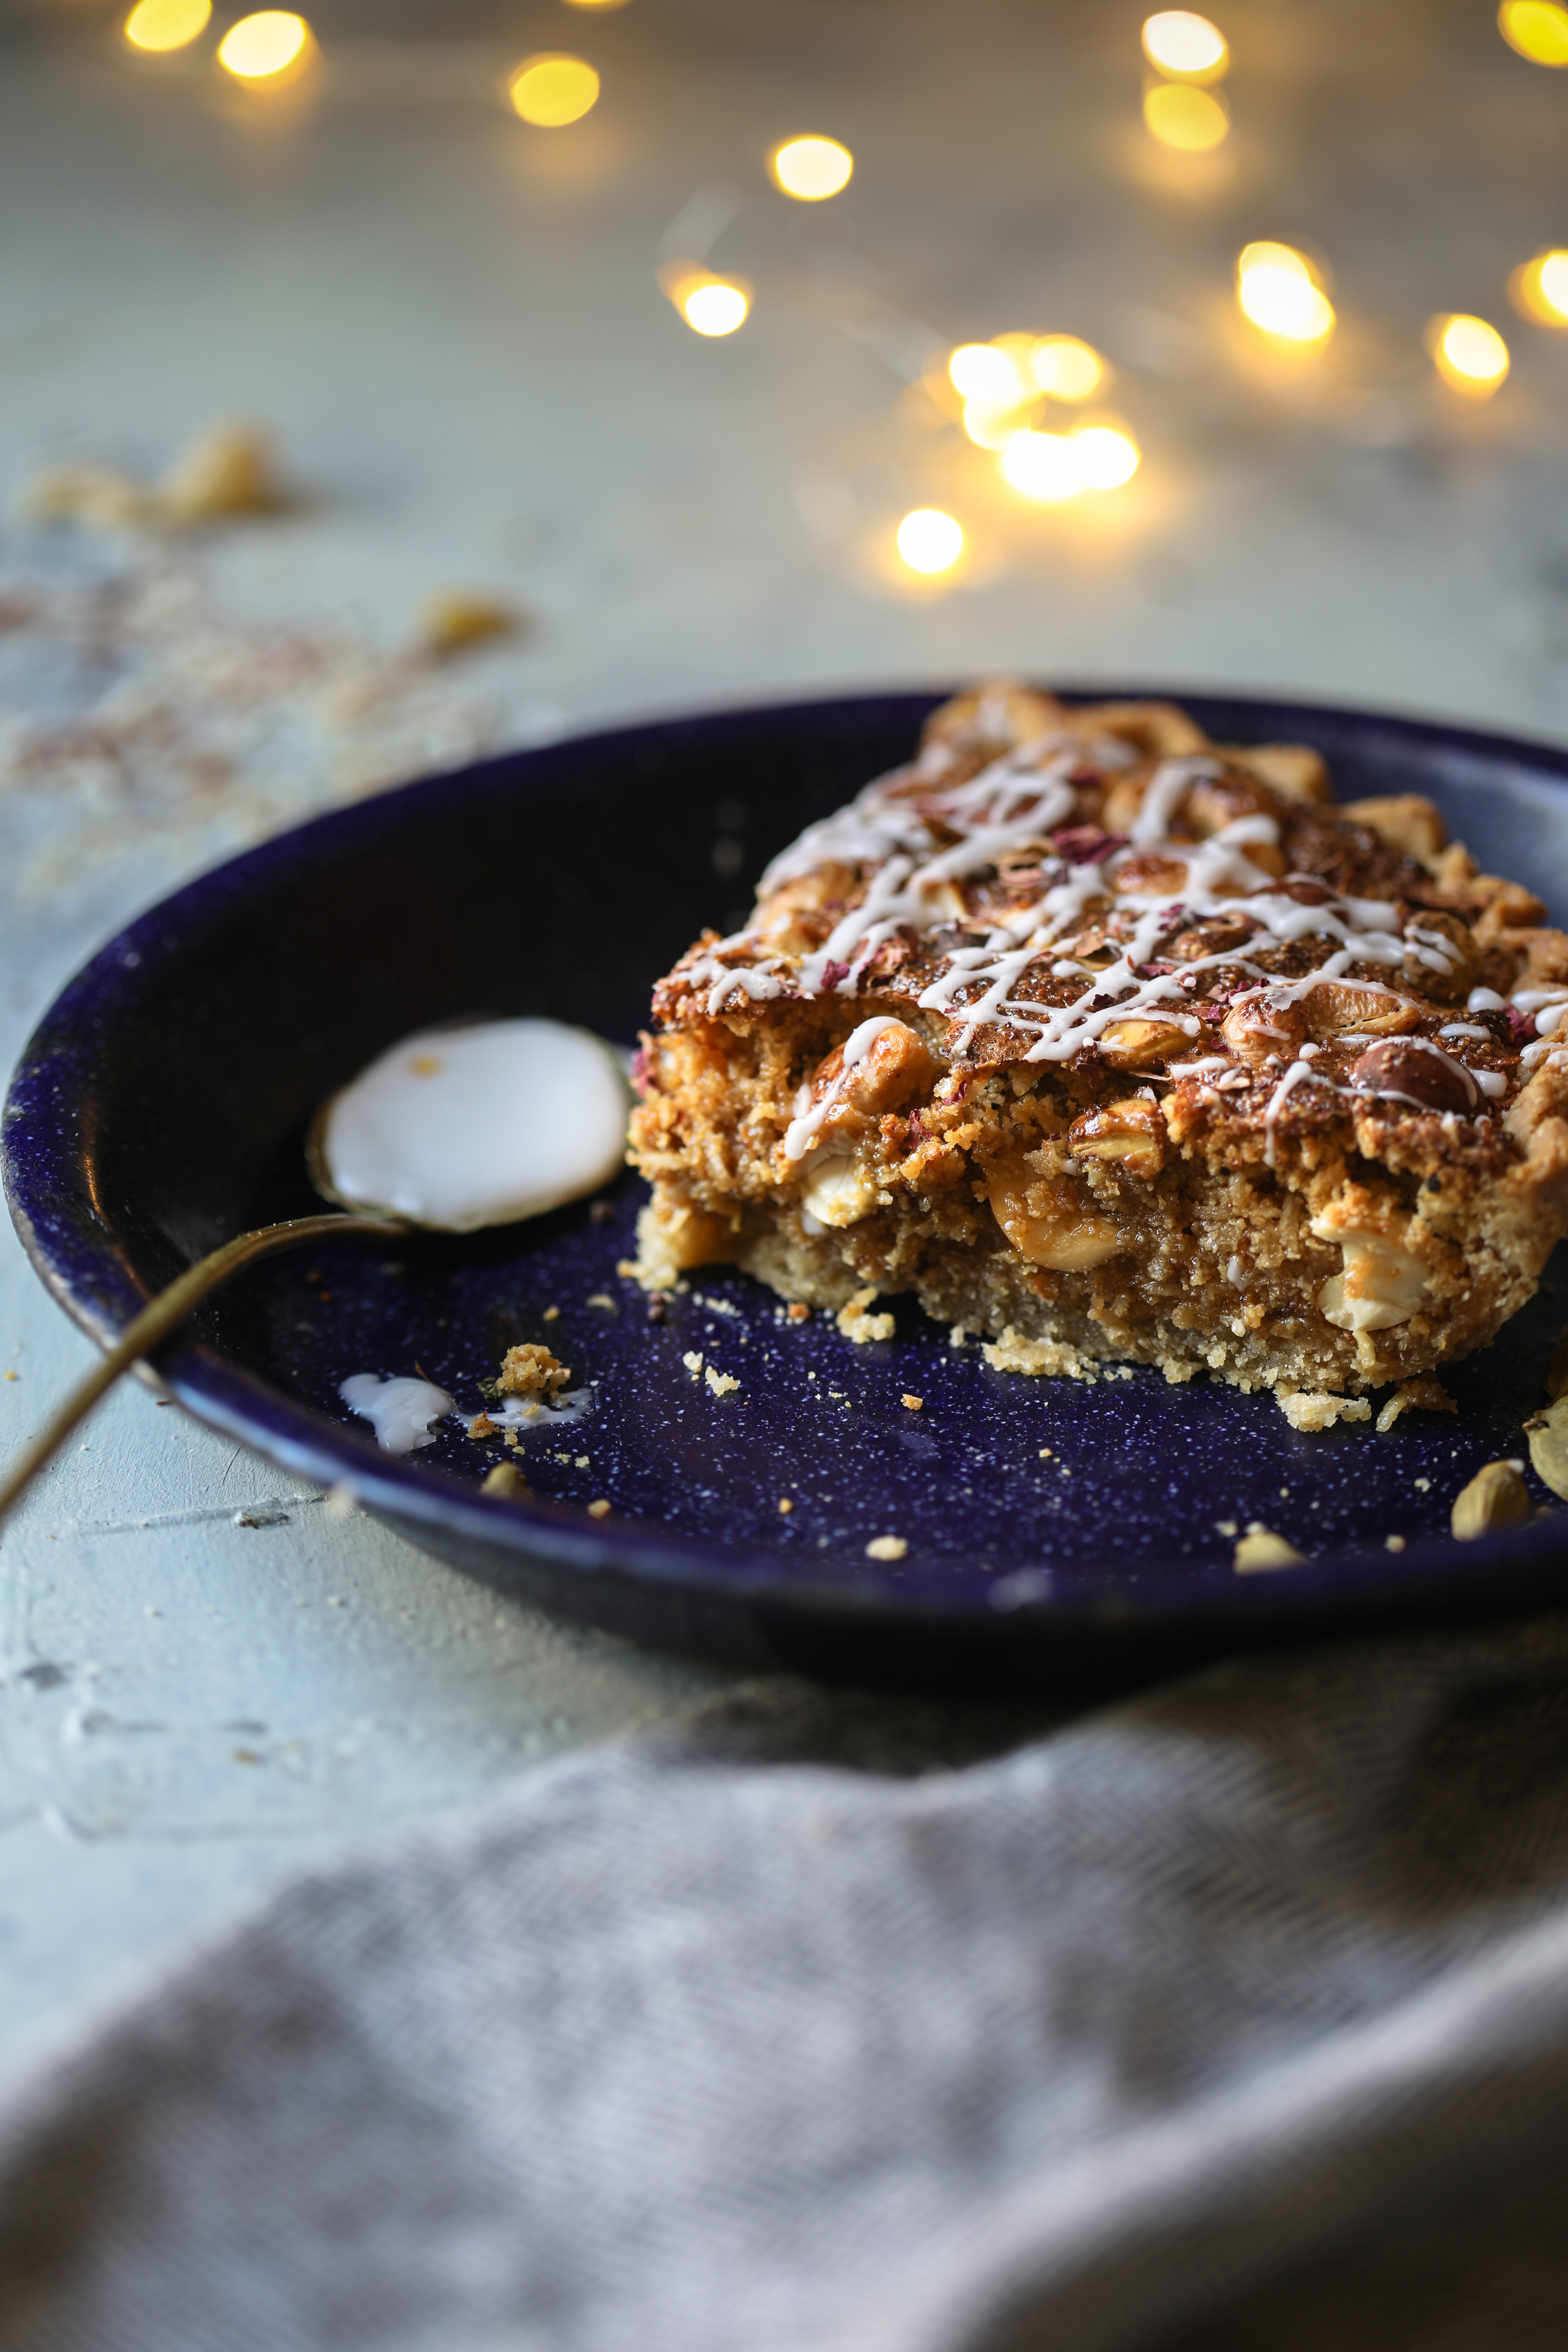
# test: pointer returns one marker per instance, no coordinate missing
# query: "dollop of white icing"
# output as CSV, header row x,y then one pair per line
x,y
400,1410
462,1128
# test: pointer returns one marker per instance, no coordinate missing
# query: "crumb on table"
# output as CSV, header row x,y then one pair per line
x,y
887,1548
531,1370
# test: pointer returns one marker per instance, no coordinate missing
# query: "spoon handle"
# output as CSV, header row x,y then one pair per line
x,y
163,1315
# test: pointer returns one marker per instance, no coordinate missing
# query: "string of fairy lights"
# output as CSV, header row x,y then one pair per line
x,y
1033,402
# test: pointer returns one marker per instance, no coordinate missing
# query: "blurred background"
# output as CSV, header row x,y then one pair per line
x,y
571,361
392,383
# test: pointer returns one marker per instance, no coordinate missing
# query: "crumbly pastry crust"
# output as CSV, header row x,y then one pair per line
x,y
1115,1047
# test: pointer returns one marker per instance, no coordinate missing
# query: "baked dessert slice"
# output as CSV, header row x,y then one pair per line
x,y
1115,1047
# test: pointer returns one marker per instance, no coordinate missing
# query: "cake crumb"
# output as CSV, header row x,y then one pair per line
x,y
626,1267
786,1506
482,1426
599,1510
798,1311
692,1360
1394,1543
1226,1527
857,1324
1261,1549
721,1383
914,1403
581,1463
1414,1396
601,1298
886,1548
1013,1353
958,1337
453,619
553,1314
1311,1409
506,1483
531,1370
1045,1454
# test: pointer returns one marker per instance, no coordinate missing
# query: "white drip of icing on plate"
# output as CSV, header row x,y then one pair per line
x,y
400,1410
463,1128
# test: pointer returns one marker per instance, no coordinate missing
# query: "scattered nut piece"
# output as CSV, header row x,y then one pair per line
x,y
1414,1396
886,1548
228,470
601,1298
856,1324
1394,1543
506,1484
798,1311
551,1315
914,1403
454,619
1548,1435
1225,1528
531,1370
786,1506
692,1360
721,1383
1496,1497
1260,1549
599,1510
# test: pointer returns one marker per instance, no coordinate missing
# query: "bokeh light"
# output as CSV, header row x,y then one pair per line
x,y
930,541
811,169
160,24
982,372
1182,116
1065,368
1468,353
1540,289
1178,42
550,90
1538,29
604,5
1051,468
1278,290
260,47
715,307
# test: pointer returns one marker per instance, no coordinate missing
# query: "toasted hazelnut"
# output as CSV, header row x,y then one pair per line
x,y
1440,956
1261,1025
837,1190
1405,821
1159,729
1496,1497
1048,1219
898,1064
1292,769
1335,1004
1548,1435
1418,1071
1130,1134
1382,1283
1218,800
1000,714
506,1484
1142,1045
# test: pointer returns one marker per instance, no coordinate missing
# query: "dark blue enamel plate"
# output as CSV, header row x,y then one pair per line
x,y
163,1105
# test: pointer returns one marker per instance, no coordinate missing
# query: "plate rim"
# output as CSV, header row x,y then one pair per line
x,y
72,1247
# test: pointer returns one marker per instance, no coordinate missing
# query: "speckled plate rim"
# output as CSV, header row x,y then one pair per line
x,y
631,1576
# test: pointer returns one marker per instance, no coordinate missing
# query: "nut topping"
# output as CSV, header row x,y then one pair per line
x,y
1270,1024
1496,1497
1415,1071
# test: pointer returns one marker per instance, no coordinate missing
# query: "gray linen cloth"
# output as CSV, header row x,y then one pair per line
x,y
1232,2016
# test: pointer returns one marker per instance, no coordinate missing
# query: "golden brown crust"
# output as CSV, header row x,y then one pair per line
x,y
1257,1091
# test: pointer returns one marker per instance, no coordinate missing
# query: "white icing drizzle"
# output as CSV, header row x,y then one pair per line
x,y
1014,805
1465,1029
804,1127
400,1410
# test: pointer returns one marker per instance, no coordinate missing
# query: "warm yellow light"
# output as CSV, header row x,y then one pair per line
x,y
1106,456
1045,466
930,541
980,372
266,44
1065,368
811,169
1278,290
1540,289
1469,355
550,90
715,308
1178,42
1182,116
606,5
1538,29
166,23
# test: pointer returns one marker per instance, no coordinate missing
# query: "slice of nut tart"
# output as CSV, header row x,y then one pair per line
x,y
1117,1044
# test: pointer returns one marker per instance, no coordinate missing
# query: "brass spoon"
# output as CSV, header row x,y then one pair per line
x,y
538,1082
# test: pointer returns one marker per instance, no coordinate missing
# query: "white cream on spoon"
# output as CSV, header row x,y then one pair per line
x,y
463,1128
